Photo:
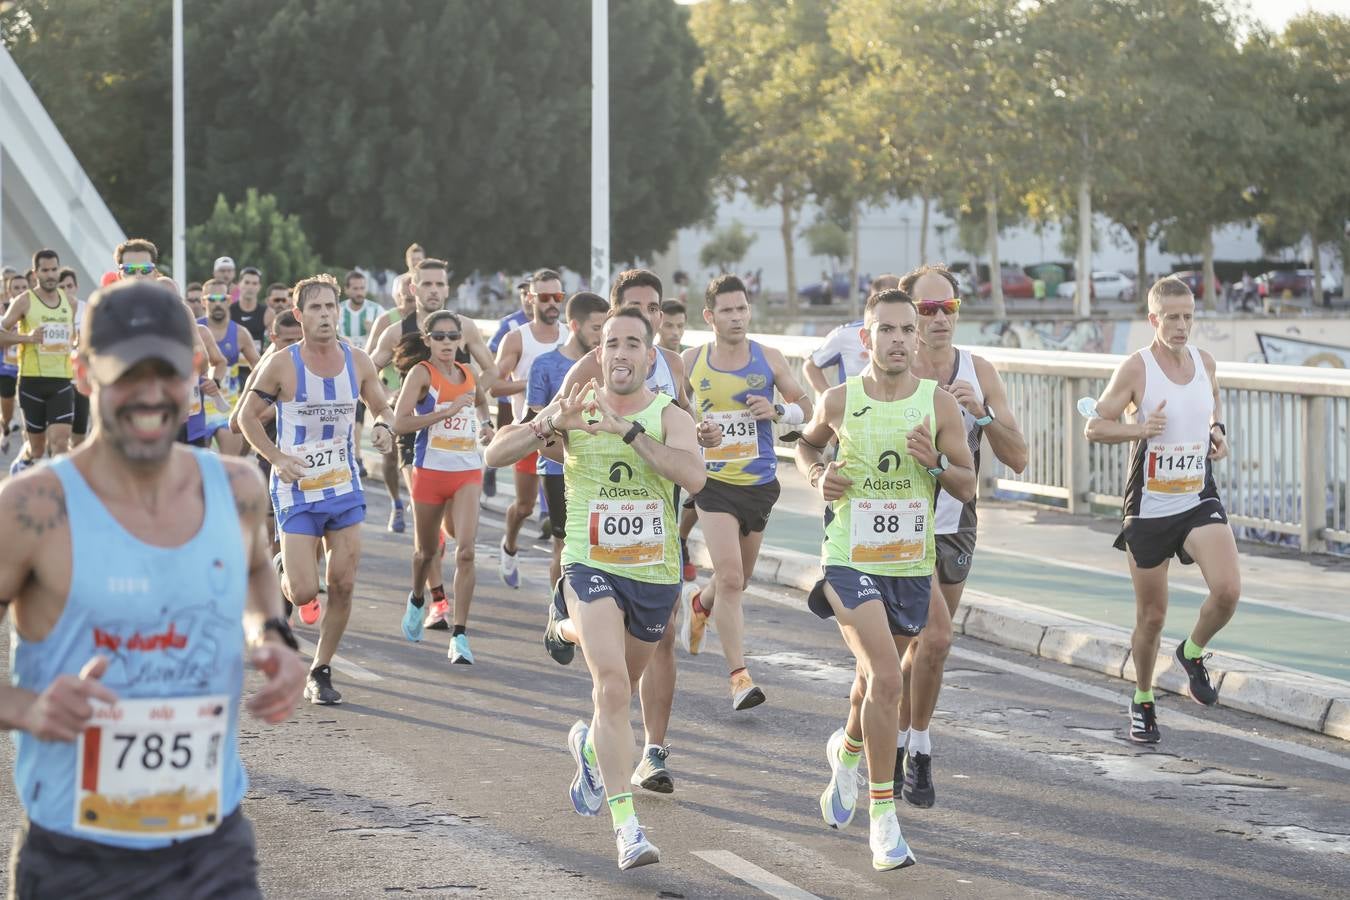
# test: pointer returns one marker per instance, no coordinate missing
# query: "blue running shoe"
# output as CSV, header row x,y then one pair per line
x,y
20,463
588,790
634,848
396,518
459,650
889,850
412,621
840,798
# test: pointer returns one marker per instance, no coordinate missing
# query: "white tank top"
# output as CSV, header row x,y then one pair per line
x,y
1170,474
951,515
530,350
660,379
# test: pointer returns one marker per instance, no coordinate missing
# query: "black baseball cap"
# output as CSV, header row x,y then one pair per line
x,y
131,321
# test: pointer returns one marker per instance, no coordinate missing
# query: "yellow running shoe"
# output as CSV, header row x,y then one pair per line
x,y
694,622
744,694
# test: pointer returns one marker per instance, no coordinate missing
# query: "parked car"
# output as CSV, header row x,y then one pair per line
x,y
1016,285
1298,282
815,294
1195,280
1107,285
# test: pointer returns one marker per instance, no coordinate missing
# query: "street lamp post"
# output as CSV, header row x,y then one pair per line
x,y
600,146
179,175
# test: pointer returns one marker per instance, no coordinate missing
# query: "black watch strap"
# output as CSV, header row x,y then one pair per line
x,y
1219,425
283,630
634,432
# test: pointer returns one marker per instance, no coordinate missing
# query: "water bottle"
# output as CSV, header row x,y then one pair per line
x,y
1087,407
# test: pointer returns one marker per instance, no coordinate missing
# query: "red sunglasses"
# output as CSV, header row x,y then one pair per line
x,y
931,307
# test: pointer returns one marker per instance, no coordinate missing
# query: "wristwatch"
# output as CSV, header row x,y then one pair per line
x,y
941,467
634,432
283,630
987,418
779,410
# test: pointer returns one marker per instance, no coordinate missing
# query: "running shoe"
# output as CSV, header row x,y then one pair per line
x,y
396,524
319,687
652,774
694,624
459,651
889,850
1202,691
1144,723
309,612
412,621
558,647
744,694
634,848
839,800
588,790
507,568
20,463
489,482
4,440
436,615
918,790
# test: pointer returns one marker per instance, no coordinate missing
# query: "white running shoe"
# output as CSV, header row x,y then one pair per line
x,y
507,568
634,848
889,850
839,801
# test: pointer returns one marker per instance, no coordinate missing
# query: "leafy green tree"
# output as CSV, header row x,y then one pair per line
x,y
829,239
726,247
463,125
769,60
257,233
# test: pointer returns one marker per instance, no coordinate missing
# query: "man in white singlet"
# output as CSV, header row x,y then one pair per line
x,y
517,351
1172,505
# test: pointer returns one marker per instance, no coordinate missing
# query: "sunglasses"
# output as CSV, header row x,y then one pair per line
x,y
549,298
444,335
138,268
216,298
931,307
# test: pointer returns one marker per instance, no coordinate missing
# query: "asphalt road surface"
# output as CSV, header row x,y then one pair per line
x,y
440,780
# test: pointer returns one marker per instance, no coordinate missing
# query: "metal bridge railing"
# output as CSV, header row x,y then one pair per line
x,y
1285,481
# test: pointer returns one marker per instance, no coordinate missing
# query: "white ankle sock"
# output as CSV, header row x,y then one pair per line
x,y
900,738
919,742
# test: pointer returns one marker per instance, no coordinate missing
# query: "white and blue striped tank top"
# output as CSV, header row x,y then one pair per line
x,y
317,427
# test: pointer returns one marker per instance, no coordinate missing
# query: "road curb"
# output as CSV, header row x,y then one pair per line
x,y
1305,701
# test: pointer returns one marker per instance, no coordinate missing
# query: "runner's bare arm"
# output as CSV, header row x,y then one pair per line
x,y
268,379
511,444
247,348
484,413
508,355
31,505
372,393
214,358
816,436
689,357
285,672
949,437
815,376
1005,435
18,308
676,363
788,387
384,348
1218,436
478,349
1122,393
676,458
516,441
377,330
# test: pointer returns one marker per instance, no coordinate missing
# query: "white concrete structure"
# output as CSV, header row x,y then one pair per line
x,y
46,200
889,242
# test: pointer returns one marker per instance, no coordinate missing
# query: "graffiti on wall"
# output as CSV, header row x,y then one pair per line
x,y
1285,350
1081,336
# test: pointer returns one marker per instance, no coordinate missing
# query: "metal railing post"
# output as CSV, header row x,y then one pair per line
x,y
1076,457
1313,521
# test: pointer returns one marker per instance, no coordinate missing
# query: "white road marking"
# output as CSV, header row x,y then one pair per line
x,y
1107,695
341,663
1176,586
753,875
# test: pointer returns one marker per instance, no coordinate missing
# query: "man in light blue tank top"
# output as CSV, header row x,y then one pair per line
x,y
117,619
316,486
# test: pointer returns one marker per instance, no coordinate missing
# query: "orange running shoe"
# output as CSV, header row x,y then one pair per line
x,y
309,613
694,623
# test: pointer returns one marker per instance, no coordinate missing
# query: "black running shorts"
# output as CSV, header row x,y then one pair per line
x,y
749,503
1154,541
45,402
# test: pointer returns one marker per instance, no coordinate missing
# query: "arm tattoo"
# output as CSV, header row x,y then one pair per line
x,y
248,507
40,509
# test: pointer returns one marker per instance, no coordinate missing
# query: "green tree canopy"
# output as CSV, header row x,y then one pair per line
x,y
256,230
464,126
726,247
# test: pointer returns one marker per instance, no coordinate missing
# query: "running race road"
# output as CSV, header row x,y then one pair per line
x,y
440,780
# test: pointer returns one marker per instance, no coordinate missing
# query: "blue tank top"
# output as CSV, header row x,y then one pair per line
x,y
229,345
169,620
746,455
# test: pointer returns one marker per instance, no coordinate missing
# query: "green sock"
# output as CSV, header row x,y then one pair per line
x,y
1143,696
850,752
1191,651
883,797
588,748
621,809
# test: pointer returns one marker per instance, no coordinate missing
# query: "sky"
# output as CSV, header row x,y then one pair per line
x,y
1277,12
